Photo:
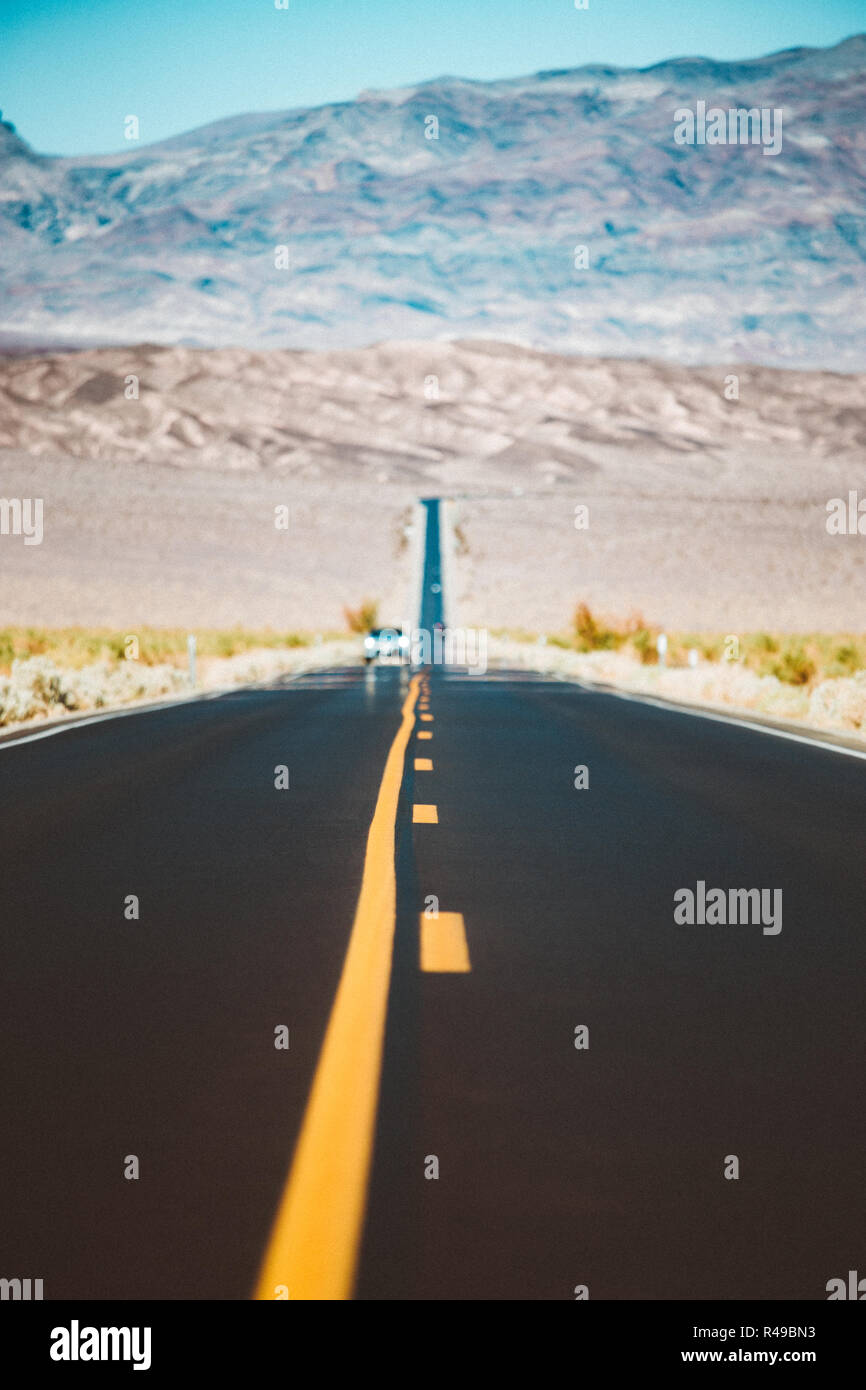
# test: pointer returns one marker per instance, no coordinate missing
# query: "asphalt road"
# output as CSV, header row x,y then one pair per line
x,y
605,1166
557,1167
431,607
156,1037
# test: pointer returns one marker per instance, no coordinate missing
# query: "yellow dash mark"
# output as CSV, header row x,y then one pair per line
x,y
423,764
313,1248
424,733
443,944
425,815
428,718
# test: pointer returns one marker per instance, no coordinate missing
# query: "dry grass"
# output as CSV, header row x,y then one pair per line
x,y
63,677
803,659
363,618
74,647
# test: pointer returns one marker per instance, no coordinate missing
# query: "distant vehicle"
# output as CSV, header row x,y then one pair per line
x,y
386,644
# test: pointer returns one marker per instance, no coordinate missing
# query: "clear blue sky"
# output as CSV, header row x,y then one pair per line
x,y
71,70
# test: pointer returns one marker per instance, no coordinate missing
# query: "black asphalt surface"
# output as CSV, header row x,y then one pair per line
x,y
558,1167
156,1037
604,1167
431,606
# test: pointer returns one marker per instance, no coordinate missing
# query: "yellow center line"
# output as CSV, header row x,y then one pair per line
x,y
313,1248
428,718
425,815
423,764
443,944
424,733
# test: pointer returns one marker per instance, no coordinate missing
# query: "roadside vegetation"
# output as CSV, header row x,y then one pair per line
x,y
49,672
75,647
813,678
802,659
363,618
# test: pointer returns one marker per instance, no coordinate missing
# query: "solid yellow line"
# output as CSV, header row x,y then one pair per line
x,y
423,764
443,944
425,815
313,1248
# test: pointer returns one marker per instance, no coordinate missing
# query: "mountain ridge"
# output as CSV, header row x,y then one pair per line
x,y
694,255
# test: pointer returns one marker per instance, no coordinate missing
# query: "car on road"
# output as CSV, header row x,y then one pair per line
x,y
387,645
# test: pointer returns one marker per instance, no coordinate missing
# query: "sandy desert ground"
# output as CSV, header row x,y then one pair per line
x,y
704,512
146,544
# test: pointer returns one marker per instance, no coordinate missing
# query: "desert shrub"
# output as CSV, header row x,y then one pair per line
x,y
35,642
644,644
840,703
363,618
585,628
590,635
845,660
226,644
71,648
796,660
795,667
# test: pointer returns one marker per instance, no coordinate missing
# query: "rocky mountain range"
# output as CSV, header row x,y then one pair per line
x,y
556,211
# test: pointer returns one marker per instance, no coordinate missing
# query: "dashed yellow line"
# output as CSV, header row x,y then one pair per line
x,y
428,718
443,944
424,733
423,764
313,1249
425,815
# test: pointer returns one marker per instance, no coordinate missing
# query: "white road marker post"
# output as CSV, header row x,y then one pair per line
x,y
190,651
